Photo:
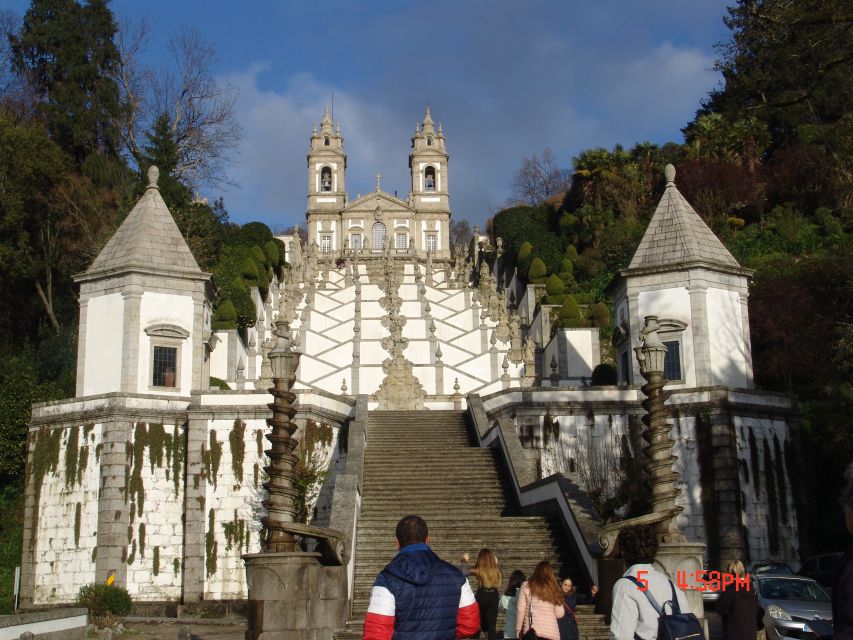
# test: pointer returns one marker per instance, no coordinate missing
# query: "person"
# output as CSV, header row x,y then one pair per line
x,y
738,607
419,596
509,600
540,602
842,588
632,615
488,575
573,597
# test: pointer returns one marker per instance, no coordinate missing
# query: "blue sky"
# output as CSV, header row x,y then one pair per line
x,y
506,79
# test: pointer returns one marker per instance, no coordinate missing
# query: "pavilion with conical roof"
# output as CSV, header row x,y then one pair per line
x,y
683,274
144,308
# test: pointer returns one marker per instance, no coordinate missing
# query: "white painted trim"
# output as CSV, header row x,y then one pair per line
x,y
430,199
327,199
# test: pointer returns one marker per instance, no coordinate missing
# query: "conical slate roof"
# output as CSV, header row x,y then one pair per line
x,y
677,235
147,240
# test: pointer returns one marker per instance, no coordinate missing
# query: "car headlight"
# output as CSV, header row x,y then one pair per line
x,y
778,613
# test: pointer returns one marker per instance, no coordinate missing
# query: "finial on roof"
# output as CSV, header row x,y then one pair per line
x,y
669,173
153,177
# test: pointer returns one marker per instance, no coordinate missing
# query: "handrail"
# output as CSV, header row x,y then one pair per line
x,y
502,436
346,501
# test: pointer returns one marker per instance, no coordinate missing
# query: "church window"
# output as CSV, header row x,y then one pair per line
x,y
429,141
402,241
325,179
326,141
326,243
165,368
355,241
672,360
429,179
430,242
378,236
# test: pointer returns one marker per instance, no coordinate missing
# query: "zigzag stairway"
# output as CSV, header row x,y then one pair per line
x,y
424,463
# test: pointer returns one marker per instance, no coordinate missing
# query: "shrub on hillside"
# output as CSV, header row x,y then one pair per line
x,y
225,316
554,285
253,233
537,270
600,314
604,375
107,604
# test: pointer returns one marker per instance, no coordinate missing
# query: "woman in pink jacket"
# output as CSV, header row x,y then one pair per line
x,y
540,601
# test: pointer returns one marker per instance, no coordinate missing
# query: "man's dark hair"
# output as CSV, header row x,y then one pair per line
x,y
639,545
411,530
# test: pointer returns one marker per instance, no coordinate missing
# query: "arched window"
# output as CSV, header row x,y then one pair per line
x,y
325,179
429,141
429,179
378,236
326,141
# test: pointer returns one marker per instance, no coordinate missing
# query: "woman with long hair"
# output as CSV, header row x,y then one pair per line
x,y
540,604
488,576
738,607
509,600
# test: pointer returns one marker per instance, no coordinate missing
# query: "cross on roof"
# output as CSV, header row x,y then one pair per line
x,y
378,177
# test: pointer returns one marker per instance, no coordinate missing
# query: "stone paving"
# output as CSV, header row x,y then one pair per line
x,y
169,631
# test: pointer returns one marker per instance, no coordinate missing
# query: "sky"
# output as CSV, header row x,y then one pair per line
x,y
505,78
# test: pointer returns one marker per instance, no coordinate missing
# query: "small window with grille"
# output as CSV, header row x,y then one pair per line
x,y
165,366
430,242
402,241
326,244
355,241
672,360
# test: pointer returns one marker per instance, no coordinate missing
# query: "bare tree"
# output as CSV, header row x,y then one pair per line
x,y
201,111
539,178
460,232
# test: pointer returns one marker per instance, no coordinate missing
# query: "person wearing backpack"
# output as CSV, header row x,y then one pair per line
x,y
636,616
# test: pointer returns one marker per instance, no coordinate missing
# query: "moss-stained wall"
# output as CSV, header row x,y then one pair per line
x,y
65,478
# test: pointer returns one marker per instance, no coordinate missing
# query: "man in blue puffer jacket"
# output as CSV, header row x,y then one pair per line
x,y
419,596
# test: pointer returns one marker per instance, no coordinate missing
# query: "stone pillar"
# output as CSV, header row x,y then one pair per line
x,y
701,344
682,560
197,378
113,513
132,295
28,577
747,337
193,573
81,343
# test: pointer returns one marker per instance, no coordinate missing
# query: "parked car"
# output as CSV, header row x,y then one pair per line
x,y
775,568
793,607
821,568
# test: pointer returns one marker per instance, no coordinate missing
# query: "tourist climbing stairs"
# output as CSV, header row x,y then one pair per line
x,y
425,463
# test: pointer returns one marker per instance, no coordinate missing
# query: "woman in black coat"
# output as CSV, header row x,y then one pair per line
x,y
738,607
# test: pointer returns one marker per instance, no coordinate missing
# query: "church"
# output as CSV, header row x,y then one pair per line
x,y
409,347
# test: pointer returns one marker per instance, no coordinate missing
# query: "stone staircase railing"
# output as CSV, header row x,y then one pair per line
x,y
532,495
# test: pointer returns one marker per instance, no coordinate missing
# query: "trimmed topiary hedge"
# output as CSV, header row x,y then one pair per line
x,y
604,375
107,604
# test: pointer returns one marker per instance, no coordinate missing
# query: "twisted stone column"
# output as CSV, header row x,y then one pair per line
x,y
280,502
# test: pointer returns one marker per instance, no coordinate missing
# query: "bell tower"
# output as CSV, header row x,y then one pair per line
x,y
428,165
327,165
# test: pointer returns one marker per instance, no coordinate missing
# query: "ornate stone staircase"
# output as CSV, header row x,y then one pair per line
x,y
424,463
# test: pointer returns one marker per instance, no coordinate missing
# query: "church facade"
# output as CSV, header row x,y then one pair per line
x,y
152,476
378,221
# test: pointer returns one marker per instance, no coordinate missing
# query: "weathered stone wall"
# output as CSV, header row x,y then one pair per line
x,y
155,501
177,500
588,435
769,514
64,477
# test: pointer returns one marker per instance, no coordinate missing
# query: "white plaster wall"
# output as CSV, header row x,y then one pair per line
x,y
219,356
103,350
725,330
62,565
673,304
156,308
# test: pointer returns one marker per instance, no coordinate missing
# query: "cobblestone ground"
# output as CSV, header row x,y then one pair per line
x,y
167,631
